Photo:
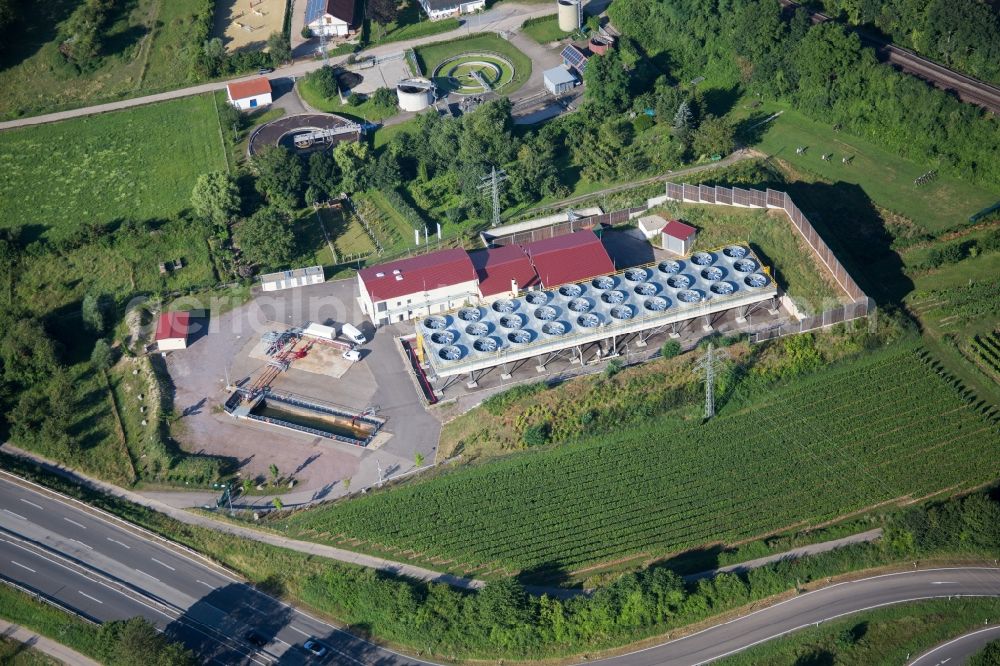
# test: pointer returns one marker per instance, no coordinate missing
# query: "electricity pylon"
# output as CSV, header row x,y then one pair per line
x,y
711,363
491,183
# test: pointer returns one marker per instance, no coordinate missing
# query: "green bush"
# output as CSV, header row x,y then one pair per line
x,y
536,435
670,349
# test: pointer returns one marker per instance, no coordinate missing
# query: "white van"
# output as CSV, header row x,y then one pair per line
x,y
353,334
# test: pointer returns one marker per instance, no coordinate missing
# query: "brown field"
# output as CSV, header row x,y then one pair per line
x,y
242,26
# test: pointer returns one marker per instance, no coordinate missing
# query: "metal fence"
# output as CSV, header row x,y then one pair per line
x,y
842,313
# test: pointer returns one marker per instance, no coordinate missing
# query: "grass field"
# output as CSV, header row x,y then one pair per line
x,y
886,636
544,30
432,55
410,23
886,178
143,46
139,164
19,608
367,110
776,243
888,427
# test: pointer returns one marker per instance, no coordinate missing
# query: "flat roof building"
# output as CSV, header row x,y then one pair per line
x,y
298,277
439,9
172,331
559,80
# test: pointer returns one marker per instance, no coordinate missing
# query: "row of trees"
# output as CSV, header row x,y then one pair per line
x,y
820,69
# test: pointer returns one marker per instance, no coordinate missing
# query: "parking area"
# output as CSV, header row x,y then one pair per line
x,y
230,351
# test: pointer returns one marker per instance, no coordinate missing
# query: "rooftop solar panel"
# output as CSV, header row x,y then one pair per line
x,y
315,9
573,57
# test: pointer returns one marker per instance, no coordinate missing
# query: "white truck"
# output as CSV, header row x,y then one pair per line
x,y
353,334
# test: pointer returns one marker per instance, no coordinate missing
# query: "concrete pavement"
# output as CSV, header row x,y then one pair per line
x,y
959,650
44,645
505,17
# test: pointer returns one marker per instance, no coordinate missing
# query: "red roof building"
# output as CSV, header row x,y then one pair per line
x,y
497,268
429,283
172,330
249,94
678,237
571,258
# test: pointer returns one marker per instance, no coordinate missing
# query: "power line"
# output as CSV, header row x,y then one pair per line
x,y
491,183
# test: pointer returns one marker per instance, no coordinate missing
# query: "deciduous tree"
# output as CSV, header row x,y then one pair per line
x,y
266,238
216,197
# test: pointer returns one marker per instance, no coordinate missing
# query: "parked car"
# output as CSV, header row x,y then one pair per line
x,y
316,648
265,70
352,355
255,639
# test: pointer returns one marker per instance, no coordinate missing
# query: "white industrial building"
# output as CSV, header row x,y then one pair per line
x,y
252,94
559,80
299,277
440,9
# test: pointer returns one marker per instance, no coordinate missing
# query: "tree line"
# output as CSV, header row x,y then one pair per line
x,y
822,70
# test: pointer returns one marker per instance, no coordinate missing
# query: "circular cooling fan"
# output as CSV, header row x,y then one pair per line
x,y
486,344
589,320
656,304
670,267
745,266
613,297
477,329
443,337
450,353
504,305
571,290
519,337
622,312
689,296
435,322
679,281
537,297
554,328
702,258
512,321
636,275
713,273
756,280
604,282
546,313
723,288
645,289
735,251
470,314
580,305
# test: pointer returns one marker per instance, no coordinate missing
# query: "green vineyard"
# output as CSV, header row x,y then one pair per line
x,y
888,427
986,353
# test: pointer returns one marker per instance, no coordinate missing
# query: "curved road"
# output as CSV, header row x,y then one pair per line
x,y
958,650
107,569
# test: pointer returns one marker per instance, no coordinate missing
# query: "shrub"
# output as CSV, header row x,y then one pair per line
x,y
536,435
306,32
354,99
613,367
496,404
670,349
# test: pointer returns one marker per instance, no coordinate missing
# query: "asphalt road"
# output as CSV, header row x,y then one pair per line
x,y
959,650
107,570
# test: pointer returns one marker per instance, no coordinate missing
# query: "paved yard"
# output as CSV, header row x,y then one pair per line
x,y
379,379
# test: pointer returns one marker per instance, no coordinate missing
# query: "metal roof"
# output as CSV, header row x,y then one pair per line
x,y
559,75
569,258
416,275
496,268
172,325
639,298
678,229
294,273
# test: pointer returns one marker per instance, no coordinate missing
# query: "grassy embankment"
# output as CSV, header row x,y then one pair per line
x,y
410,23
432,55
544,29
19,608
142,46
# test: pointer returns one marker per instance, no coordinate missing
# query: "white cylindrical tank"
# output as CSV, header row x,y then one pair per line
x,y
415,94
569,15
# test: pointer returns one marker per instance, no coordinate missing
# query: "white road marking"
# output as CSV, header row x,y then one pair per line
x,y
90,597
162,564
944,582
139,601
16,515
22,566
296,629
70,520
31,503
281,641
77,541
119,543
205,584
147,575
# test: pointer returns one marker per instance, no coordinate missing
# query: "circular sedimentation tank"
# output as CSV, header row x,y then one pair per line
x,y
463,74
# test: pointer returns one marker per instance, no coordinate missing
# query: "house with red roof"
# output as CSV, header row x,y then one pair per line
x,y
417,286
570,258
245,95
503,271
333,18
172,330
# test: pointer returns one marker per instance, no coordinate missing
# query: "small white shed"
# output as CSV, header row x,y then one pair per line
x,y
678,237
651,226
252,94
299,277
559,80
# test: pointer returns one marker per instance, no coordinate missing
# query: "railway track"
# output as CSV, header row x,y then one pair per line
x,y
965,87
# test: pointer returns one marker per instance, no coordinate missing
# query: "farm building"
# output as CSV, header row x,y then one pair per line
x,y
678,237
250,94
559,80
299,277
417,286
333,18
439,9
172,331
